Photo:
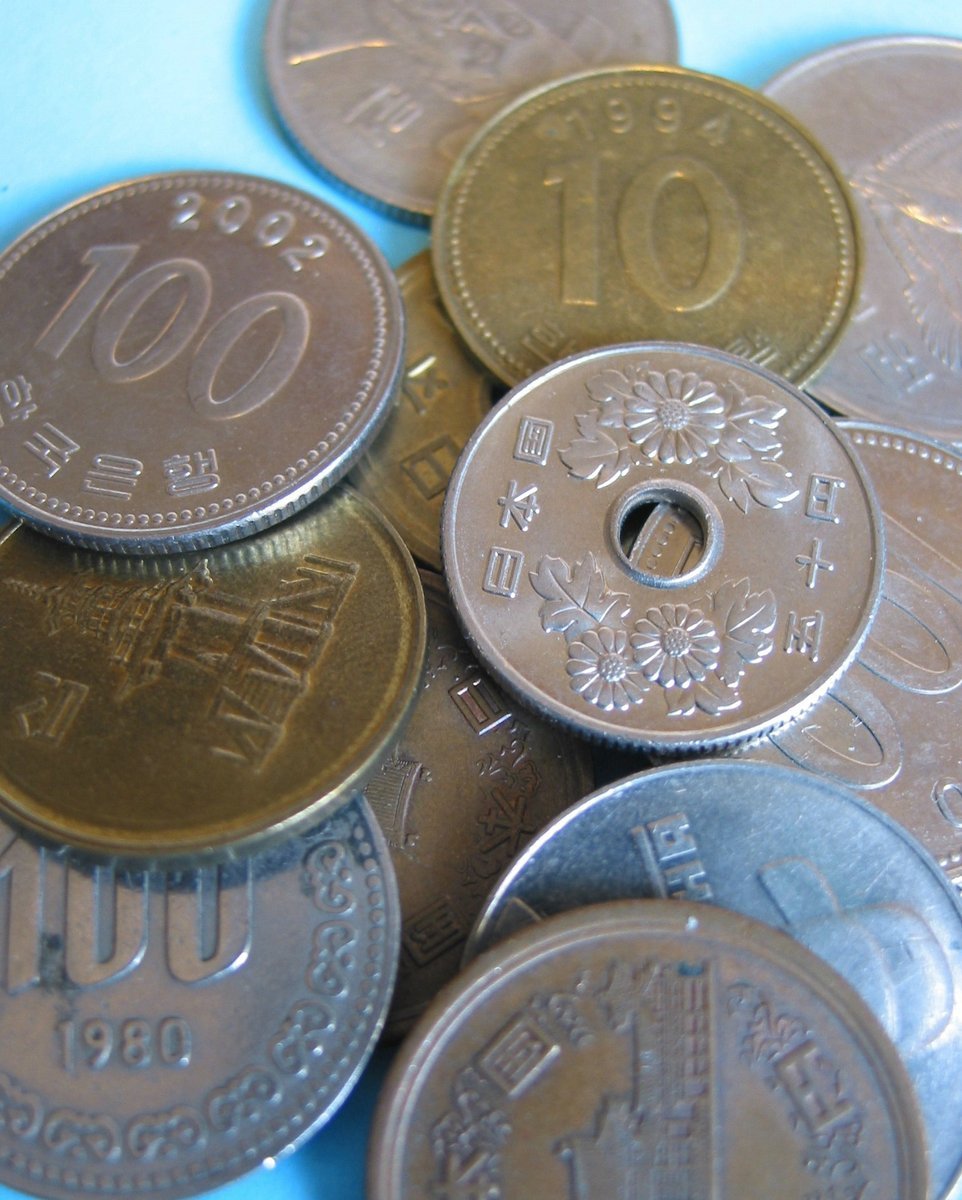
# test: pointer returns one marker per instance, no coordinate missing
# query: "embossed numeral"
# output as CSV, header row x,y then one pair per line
x,y
184,289
636,222
134,1043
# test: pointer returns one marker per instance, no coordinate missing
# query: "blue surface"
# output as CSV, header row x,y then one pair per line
x,y
94,91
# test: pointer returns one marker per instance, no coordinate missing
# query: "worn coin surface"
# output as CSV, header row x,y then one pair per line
x,y
648,1048
444,396
662,546
799,853
888,110
197,704
385,93
164,1032
471,781
185,359
645,202
890,726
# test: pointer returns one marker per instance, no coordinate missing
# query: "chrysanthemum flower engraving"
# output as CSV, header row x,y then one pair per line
x,y
675,645
602,670
675,417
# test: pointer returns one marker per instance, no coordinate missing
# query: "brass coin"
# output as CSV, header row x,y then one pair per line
x,y
444,397
648,1048
645,203
201,704
471,780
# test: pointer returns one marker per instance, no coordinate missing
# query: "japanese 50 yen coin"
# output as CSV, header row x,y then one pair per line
x,y
186,359
662,546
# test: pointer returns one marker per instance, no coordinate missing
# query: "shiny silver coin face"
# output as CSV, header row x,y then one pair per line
x,y
185,359
661,546
796,852
888,111
161,1034
647,1048
890,726
385,93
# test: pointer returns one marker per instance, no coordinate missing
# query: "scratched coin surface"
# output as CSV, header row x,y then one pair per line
x,y
444,396
385,93
198,704
472,779
164,1032
804,855
648,1048
890,726
645,202
186,359
888,110
662,546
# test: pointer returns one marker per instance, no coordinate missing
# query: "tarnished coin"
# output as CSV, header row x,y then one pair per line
x,y
199,704
645,202
888,109
162,1033
890,726
648,1048
470,782
385,93
803,855
662,546
186,359
444,396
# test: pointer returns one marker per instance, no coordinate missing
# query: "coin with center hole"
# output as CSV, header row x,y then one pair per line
x,y
662,546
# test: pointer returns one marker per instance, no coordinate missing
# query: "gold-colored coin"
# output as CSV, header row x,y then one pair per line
x,y
200,704
444,396
645,203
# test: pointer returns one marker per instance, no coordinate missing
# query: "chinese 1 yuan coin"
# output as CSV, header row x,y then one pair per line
x,y
186,359
662,546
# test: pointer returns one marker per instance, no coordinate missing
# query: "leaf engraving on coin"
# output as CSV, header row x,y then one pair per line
x,y
644,416
697,660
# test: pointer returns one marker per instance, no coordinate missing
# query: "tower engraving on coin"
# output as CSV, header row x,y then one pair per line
x,y
187,359
672,555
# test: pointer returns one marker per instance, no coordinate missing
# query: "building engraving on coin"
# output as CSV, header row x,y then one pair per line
x,y
633,524
187,359
144,1051
192,705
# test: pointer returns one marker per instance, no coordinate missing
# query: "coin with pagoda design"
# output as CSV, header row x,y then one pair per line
x,y
647,1048
186,359
662,546
198,705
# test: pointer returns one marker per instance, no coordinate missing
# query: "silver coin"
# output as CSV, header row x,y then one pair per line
x,y
185,359
661,545
801,854
890,113
385,93
164,1033
890,726
647,1048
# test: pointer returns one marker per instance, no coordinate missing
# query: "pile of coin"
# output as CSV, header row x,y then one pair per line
x,y
280,792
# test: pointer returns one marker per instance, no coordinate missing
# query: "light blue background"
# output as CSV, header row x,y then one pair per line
x,y
95,91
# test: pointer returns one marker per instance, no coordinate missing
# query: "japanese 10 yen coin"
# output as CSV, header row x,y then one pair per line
x,y
163,1032
186,359
662,546
385,93
645,202
470,781
648,1048
196,706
